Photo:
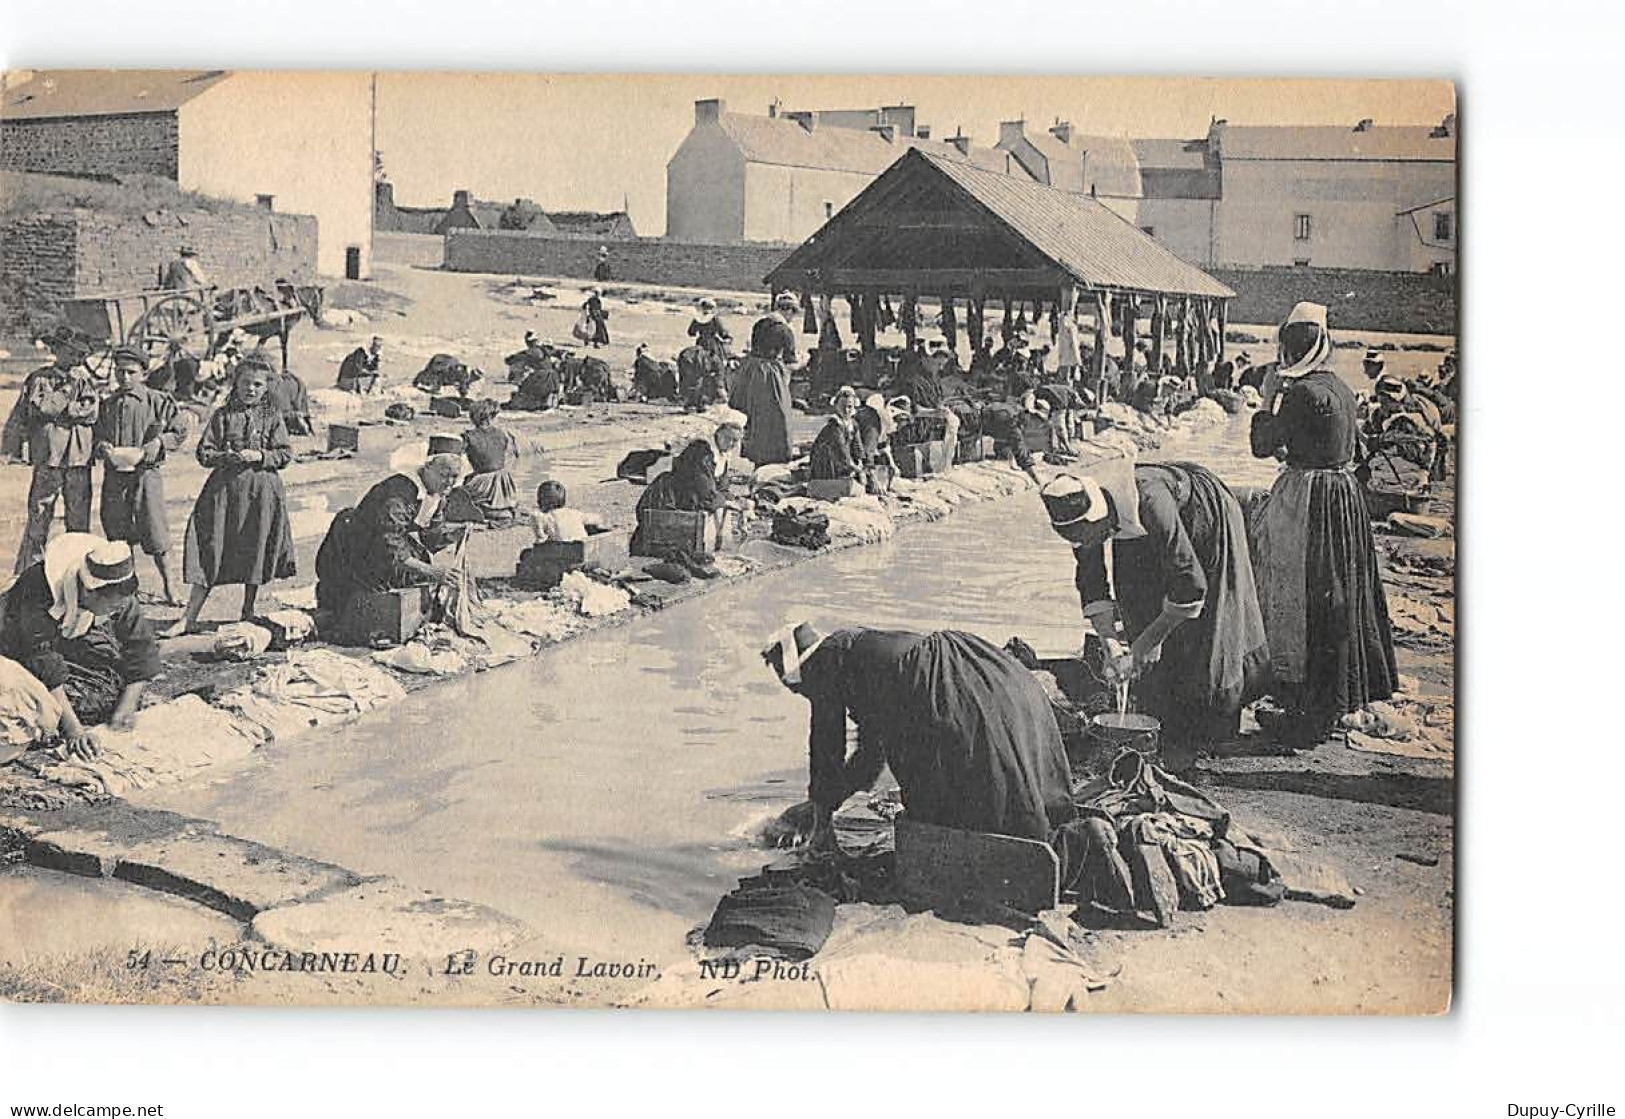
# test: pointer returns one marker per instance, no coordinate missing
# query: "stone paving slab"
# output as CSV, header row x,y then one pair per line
x,y
382,915
178,856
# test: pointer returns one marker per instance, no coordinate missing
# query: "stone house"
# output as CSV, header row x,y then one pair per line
x,y
292,142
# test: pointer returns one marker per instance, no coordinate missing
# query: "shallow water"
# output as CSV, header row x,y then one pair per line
x,y
603,792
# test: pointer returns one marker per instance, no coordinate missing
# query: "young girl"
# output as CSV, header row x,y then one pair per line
x,y
239,531
490,451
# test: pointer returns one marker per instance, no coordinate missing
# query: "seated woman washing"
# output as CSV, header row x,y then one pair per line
x,y
387,540
689,486
1181,583
837,453
489,450
74,622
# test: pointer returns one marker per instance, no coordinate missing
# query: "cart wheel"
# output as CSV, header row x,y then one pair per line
x,y
100,363
174,327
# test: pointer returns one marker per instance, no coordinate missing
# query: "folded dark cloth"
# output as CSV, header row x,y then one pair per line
x,y
809,529
792,920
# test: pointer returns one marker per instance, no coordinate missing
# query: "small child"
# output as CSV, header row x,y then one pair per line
x,y
555,522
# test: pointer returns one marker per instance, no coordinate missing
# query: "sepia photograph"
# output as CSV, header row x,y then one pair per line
x,y
921,542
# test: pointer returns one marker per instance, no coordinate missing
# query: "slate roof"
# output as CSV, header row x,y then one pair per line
x,y
1074,232
100,93
1106,163
1171,155
1419,143
778,140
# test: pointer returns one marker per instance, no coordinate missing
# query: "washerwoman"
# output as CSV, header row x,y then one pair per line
x,y
1331,648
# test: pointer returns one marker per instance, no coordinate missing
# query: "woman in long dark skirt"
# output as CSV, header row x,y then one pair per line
x,y
1331,647
1182,586
238,532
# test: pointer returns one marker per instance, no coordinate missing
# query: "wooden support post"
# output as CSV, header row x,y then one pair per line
x,y
871,312
976,320
1097,364
910,314
1131,311
1158,325
1182,359
1223,317
950,323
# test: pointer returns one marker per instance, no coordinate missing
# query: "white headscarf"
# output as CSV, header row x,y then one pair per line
x,y
791,657
67,577
1318,354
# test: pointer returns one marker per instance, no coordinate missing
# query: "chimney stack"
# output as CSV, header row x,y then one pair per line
x,y
887,132
960,141
1447,127
459,199
807,120
709,110
1364,125
1062,131
899,117
1011,131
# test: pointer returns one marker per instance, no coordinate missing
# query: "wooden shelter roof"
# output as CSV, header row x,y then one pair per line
x,y
946,227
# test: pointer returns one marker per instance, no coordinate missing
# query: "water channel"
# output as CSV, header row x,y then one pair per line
x,y
602,792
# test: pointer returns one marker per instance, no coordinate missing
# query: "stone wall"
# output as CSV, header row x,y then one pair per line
x,y
419,250
140,143
647,260
39,254
1401,302
71,253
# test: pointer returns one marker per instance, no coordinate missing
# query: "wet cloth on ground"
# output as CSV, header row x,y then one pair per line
x,y
28,711
167,742
311,688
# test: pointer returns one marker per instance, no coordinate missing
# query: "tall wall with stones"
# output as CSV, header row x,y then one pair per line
x,y
648,260
71,253
1402,302
133,143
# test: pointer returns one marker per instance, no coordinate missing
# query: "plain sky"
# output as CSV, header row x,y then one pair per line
x,y
596,142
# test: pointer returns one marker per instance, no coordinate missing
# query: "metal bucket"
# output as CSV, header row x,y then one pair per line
x,y
1110,734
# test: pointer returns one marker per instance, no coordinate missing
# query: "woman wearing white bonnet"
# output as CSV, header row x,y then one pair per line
x,y
1331,648
74,622
1180,581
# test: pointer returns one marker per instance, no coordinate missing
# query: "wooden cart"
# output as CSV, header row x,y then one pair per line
x,y
171,325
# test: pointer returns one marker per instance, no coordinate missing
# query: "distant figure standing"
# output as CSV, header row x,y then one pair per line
x,y
763,389
600,271
53,420
185,272
597,319
359,370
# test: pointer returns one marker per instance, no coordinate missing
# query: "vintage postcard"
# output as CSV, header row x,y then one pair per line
x,y
783,542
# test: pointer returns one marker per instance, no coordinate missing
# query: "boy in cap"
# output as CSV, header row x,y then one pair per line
x,y
52,423
137,426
